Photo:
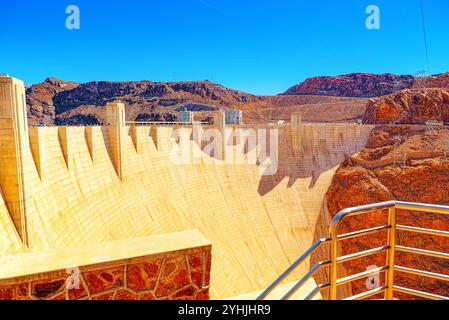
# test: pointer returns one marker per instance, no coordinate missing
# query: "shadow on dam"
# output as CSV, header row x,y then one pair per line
x,y
306,151
303,156
84,189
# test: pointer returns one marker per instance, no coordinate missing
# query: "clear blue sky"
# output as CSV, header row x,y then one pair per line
x,y
258,46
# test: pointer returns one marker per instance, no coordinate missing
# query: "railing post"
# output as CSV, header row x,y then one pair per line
x,y
334,265
391,254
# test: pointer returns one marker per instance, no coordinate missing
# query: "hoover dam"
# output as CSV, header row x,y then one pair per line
x,y
99,198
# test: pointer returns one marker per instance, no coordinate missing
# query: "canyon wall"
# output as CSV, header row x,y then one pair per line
x,y
406,163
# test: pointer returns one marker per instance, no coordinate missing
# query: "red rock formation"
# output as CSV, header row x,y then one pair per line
x,y
41,109
182,276
403,175
415,106
311,108
435,81
353,85
366,84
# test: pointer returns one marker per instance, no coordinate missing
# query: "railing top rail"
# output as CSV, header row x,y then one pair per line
x,y
434,208
360,209
391,246
348,212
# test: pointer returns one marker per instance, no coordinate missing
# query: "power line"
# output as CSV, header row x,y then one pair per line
x,y
425,35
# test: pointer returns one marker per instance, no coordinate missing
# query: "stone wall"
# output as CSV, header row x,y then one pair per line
x,y
182,274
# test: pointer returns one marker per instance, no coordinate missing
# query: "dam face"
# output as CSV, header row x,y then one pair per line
x,y
69,188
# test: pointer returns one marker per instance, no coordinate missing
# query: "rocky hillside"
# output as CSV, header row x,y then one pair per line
x,y
408,163
416,106
41,109
366,84
322,99
59,102
435,81
311,108
147,93
56,102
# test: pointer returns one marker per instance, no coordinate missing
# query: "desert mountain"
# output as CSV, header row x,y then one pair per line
x,y
66,103
59,102
41,109
366,84
323,99
415,106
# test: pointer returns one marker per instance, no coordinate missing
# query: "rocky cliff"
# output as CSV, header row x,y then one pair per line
x,y
353,85
436,81
366,84
41,109
409,163
415,106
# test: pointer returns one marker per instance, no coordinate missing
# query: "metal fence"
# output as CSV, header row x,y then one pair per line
x,y
390,247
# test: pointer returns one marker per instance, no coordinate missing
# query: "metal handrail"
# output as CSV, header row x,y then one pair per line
x,y
422,273
420,293
316,290
303,280
334,260
292,267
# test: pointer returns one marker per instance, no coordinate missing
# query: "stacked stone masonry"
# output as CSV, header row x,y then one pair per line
x,y
177,275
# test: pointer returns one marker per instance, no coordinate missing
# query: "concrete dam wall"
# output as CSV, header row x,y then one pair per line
x,y
67,187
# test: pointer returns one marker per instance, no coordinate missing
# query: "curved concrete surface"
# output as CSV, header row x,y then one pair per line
x,y
258,225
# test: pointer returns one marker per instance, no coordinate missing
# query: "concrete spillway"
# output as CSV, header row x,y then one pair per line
x,y
74,195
